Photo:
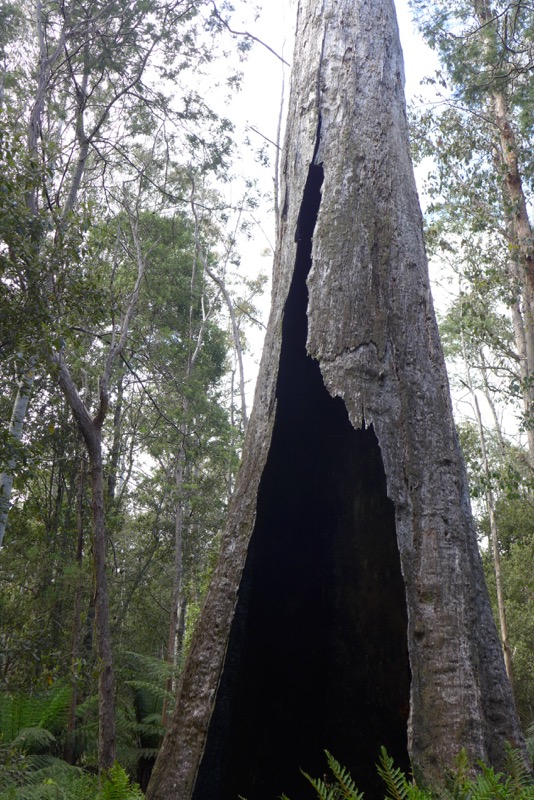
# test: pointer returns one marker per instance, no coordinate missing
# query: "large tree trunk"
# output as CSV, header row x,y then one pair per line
x,y
348,609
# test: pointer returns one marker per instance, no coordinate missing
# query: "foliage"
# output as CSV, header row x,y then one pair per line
x,y
31,732
117,786
458,784
343,788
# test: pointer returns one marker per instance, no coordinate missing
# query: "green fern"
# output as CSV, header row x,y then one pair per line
x,y
324,790
457,781
34,740
490,785
346,785
519,774
398,785
116,785
343,789
48,710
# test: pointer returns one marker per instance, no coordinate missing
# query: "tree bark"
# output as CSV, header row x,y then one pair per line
x,y
348,608
106,687
495,548
517,223
490,504
18,415
91,430
177,575
69,753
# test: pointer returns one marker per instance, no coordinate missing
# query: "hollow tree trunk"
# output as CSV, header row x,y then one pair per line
x,y
348,608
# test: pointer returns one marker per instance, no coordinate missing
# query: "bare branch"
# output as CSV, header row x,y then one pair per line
x,y
246,33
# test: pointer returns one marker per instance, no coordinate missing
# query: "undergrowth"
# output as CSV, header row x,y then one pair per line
x,y
460,784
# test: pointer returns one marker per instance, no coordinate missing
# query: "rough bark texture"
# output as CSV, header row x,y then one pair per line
x,y
348,608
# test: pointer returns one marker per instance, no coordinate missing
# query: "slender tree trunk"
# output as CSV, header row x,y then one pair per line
x,y
348,608
494,538
116,444
525,373
177,574
91,430
518,223
18,416
236,337
106,688
69,752
490,505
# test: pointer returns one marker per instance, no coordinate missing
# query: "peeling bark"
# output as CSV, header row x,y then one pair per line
x,y
348,608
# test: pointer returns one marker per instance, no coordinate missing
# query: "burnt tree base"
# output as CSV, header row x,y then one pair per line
x,y
317,656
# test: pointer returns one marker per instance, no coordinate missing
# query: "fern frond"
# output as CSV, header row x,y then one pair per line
x,y
346,786
393,777
324,791
44,767
116,786
157,669
518,771
33,740
458,780
153,690
56,706
489,785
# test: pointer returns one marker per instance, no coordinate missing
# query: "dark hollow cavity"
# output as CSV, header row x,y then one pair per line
x,y
317,656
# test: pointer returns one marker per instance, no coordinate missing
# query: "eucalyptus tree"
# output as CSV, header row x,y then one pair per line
x,y
480,138
348,607
97,78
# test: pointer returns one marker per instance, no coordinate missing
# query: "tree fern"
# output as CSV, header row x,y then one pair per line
x,y
34,740
40,710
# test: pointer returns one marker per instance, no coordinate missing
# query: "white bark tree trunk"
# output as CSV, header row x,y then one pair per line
x,y
16,426
348,608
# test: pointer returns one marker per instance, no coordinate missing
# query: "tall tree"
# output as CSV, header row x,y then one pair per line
x,y
481,143
97,81
348,608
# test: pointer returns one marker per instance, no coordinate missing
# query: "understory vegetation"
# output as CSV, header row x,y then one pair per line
x,y
458,784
